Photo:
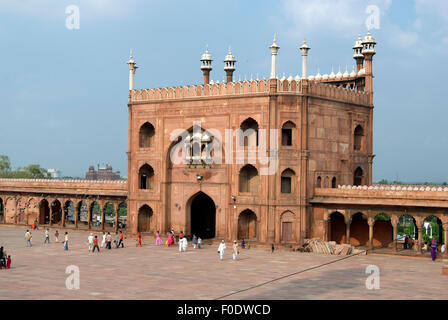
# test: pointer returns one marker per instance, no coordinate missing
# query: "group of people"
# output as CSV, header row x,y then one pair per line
x,y
5,260
106,241
410,243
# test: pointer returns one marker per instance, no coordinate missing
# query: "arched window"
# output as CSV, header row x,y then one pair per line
x,y
358,177
250,133
147,133
333,182
319,182
287,181
358,138
146,177
249,179
287,130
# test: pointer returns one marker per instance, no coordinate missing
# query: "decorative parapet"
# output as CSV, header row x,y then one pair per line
x,y
62,180
215,89
338,93
396,188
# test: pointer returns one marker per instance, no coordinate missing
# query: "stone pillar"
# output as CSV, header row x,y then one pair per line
x,y
445,230
420,238
371,223
76,212
326,230
394,222
347,231
117,206
278,228
102,208
89,213
63,212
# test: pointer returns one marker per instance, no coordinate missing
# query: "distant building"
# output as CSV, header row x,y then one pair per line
x,y
104,173
54,173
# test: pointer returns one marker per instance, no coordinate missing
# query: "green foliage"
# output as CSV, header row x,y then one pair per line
x,y
382,217
122,212
383,181
33,171
109,209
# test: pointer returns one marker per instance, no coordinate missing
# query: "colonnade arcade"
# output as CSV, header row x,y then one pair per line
x,y
80,212
380,227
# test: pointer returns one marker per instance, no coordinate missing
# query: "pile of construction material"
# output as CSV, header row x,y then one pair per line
x,y
322,247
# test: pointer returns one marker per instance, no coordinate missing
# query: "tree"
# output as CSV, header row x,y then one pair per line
x,y
33,171
383,181
5,167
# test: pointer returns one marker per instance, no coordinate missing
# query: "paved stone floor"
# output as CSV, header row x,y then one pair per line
x,y
154,272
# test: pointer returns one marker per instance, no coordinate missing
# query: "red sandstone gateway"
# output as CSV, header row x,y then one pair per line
x,y
321,188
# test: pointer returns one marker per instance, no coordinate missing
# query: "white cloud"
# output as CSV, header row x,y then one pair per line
x,y
433,7
403,39
338,16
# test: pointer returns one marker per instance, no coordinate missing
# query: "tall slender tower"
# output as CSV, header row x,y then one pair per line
x,y
358,56
229,66
274,51
368,51
132,68
304,49
206,65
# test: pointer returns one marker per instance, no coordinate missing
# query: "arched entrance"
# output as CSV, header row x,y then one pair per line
x,y
2,219
83,214
383,232
337,227
56,212
203,216
432,228
247,225
69,212
145,217
359,230
44,212
122,215
109,215
287,220
407,228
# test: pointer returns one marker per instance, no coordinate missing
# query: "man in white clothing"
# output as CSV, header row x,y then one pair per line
x,y
221,248
184,244
91,237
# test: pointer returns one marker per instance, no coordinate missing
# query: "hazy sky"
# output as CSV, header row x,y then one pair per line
x,y
64,92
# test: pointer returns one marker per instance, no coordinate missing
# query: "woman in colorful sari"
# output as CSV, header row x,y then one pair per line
x,y
158,240
170,239
434,249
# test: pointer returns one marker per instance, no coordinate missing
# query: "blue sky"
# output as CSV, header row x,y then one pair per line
x,y
64,92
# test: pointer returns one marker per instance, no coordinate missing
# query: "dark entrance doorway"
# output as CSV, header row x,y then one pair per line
x,y
44,212
203,216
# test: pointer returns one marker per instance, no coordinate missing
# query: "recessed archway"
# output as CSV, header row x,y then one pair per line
x,y
337,228
145,219
146,135
287,224
122,215
44,212
359,230
202,216
56,212
2,217
432,228
383,232
83,214
109,215
247,225
69,212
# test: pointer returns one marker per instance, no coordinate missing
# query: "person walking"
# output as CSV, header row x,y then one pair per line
x,y
434,249
56,236
199,242
95,244
90,239
180,243
8,262
35,225
243,244
194,240
221,248
116,240
47,236
158,240
272,248
170,240
184,244
139,239
28,238
235,250
66,241
174,236
109,241
103,241
121,241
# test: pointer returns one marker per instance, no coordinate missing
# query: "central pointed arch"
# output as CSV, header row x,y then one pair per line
x,y
202,216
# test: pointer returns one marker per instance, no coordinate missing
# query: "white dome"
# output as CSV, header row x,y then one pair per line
x,y
283,78
362,71
339,74
318,76
353,74
332,75
290,78
206,55
297,78
311,78
346,74
325,77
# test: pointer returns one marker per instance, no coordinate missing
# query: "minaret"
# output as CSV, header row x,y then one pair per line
x,y
132,67
229,66
206,65
274,50
368,51
304,49
358,56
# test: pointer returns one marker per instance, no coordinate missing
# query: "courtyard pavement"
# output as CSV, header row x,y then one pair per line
x,y
152,272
